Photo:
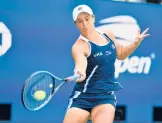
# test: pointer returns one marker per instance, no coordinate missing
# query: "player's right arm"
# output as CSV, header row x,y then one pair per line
x,y
80,59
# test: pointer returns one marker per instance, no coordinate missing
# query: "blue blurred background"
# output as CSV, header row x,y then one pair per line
x,y
38,35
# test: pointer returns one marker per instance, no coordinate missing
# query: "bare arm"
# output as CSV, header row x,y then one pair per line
x,y
80,60
124,51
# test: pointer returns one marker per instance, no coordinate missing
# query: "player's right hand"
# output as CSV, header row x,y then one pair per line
x,y
83,75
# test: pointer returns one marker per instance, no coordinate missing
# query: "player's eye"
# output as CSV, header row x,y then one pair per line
x,y
79,21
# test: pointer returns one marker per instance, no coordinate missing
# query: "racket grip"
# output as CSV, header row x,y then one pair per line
x,y
73,78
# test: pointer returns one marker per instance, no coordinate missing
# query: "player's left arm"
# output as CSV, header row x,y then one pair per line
x,y
124,51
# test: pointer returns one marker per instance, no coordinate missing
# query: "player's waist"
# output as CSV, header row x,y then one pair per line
x,y
98,86
108,81
101,76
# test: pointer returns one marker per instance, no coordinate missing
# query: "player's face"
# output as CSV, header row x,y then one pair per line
x,y
85,22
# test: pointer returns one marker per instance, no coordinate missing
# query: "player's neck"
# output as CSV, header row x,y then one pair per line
x,y
90,35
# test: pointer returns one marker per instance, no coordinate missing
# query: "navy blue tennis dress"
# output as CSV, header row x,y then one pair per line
x,y
100,83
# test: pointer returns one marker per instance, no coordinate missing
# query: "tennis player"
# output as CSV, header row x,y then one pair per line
x,y
94,54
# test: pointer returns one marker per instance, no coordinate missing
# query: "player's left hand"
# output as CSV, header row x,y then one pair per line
x,y
140,37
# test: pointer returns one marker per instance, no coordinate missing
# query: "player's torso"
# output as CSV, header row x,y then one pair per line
x,y
100,68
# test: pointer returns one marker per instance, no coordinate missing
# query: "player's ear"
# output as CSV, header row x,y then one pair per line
x,y
74,22
93,18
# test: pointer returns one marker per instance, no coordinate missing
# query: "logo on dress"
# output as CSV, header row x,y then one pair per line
x,y
108,53
113,46
98,54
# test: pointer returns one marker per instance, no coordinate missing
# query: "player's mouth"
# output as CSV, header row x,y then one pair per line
x,y
85,29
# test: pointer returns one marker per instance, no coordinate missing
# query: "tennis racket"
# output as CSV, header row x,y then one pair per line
x,y
45,82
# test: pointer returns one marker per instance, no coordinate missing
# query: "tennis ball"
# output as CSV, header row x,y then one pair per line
x,y
39,95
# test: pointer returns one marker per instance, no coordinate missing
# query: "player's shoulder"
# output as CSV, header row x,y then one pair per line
x,y
79,43
109,33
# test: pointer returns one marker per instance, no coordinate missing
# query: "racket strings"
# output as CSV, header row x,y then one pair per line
x,y
43,82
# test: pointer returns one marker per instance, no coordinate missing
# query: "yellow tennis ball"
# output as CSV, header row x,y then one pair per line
x,y
39,95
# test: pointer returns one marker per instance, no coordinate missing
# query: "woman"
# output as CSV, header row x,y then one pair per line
x,y
94,54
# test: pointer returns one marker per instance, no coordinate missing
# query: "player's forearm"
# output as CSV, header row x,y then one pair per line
x,y
81,66
128,50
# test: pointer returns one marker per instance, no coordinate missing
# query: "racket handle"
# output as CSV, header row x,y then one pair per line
x,y
73,78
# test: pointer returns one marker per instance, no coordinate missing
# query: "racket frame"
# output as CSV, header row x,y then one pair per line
x,y
72,78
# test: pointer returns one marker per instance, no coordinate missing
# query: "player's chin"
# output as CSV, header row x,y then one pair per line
x,y
85,30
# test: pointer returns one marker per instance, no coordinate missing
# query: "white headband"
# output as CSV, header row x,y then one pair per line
x,y
81,8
